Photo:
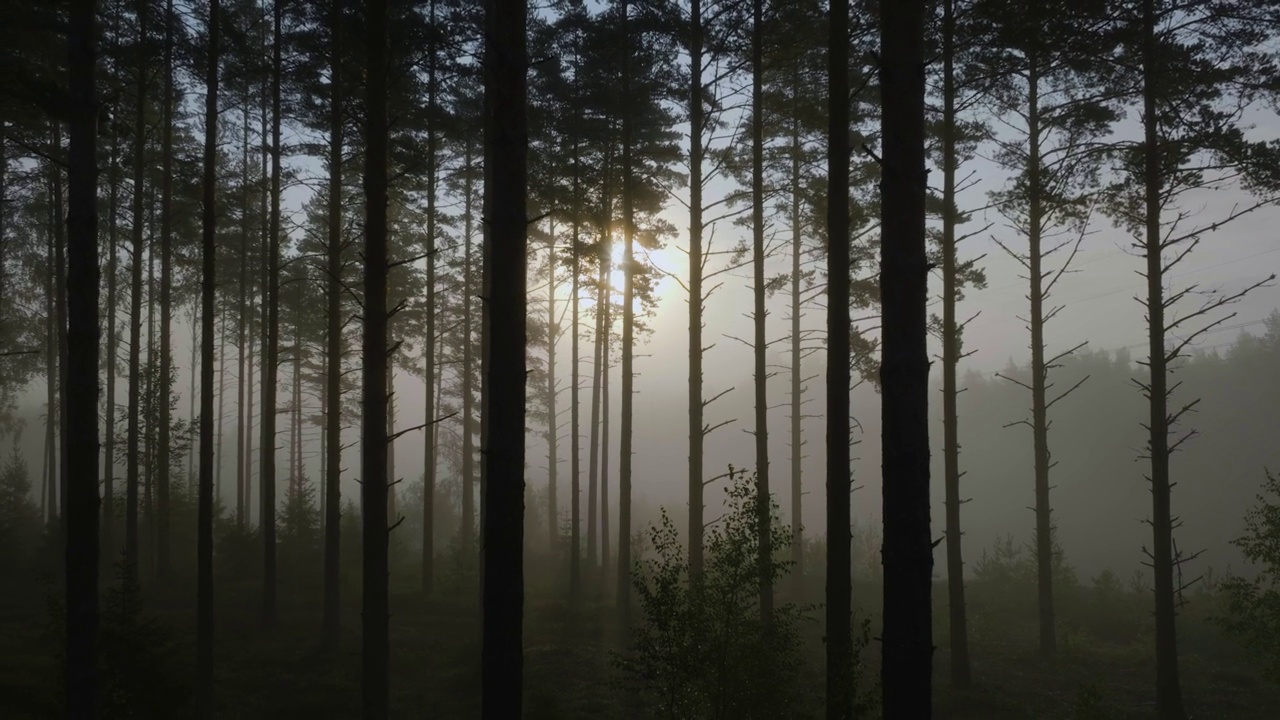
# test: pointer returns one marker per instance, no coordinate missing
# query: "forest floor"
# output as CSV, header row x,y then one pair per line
x,y
570,670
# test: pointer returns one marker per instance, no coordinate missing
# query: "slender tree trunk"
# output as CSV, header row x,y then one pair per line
x,y
204,512
373,424
149,407
628,338
960,672
60,304
1168,686
222,394
270,369
109,448
763,515
553,506
391,432
135,314
467,527
51,380
333,333
575,439
505,362
82,390
606,331
429,349
243,385
697,427
295,448
593,464
797,366
907,645
166,301
1039,373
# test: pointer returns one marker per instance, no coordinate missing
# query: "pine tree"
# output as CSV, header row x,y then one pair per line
x,y
204,522
506,144
81,520
907,645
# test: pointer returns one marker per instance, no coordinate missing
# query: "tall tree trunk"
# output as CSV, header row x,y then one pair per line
x,y
505,361
149,407
429,348
593,457
333,337
391,432
763,515
575,438
628,337
243,385
60,265
166,306
960,672
50,493
553,506
109,448
606,332
907,646
697,428
1039,373
204,511
82,390
295,448
797,366
373,423
133,449
467,528
1168,686
270,366
222,395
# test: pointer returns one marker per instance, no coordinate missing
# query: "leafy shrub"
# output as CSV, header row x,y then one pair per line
x,y
1253,604
703,650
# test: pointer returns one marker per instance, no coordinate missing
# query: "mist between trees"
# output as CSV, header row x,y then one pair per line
x,y
649,358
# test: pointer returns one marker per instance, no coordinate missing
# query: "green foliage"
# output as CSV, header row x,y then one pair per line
x,y
702,650
1253,604
20,526
137,654
138,657
298,540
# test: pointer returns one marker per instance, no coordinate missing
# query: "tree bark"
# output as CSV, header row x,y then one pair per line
x,y
429,348
907,645
1039,373
467,527
270,369
593,455
505,363
82,389
60,305
133,448
553,505
697,430
204,520
839,604
1168,685
243,385
797,371
166,301
373,423
109,449
575,430
960,670
333,337
764,541
628,337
